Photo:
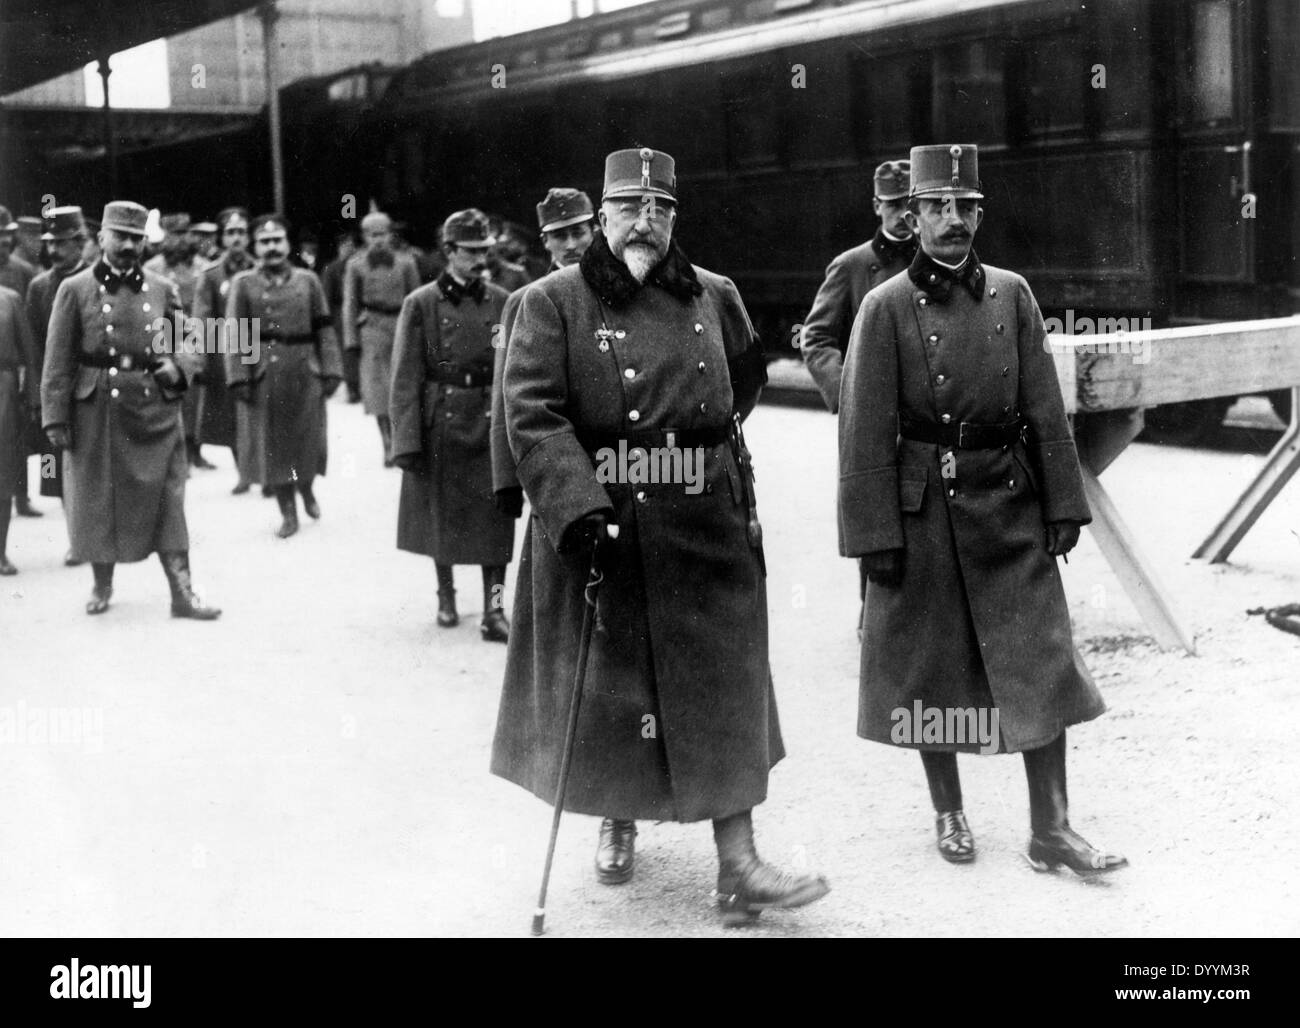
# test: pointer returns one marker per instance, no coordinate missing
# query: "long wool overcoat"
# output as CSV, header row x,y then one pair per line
x,y
223,420
446,510
980,619
678,718
288,378
124,478
372,298
40,305
18,357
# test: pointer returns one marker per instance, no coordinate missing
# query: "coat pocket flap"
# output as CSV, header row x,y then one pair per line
x,y
87,380
911,488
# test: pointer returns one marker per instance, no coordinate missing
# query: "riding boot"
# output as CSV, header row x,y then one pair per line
x,y
285,497
386,434
5,567
1054,843
615,851
746,885
176,566
447,616
494,627
103,591
955,842
309,503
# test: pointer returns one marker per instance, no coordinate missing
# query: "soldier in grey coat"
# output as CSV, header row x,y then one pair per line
x,y
959,488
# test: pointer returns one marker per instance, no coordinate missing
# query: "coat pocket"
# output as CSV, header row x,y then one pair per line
x,y
911,488
1023,465
87,382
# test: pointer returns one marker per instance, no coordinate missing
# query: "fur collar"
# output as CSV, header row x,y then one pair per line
x,y
617,287
937,281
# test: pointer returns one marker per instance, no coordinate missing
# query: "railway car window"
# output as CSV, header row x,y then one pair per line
x,y
413,161
891,103
1208,96
753,124
1124,50
819,114
1053,87
969,92
1284,66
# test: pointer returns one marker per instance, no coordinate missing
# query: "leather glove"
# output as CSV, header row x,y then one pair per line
x,y
413,462
582,534
510,502
168,373
330,383
60,436
884,567
1062,536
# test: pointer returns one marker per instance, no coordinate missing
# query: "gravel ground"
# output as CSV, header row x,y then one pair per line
x,y
315,763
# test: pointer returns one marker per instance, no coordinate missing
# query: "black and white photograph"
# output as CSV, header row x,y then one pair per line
x,y
677,469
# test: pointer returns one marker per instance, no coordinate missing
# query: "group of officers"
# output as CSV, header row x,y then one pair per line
x,y
959,481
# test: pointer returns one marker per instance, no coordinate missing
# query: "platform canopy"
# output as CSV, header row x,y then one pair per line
x,y
42,39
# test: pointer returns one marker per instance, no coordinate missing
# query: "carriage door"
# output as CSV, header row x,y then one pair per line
x,y
1213,119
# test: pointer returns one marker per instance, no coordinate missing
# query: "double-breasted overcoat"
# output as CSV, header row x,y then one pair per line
x,y
980,619
372,299
19,374
124,477
223,421
678,718
297,356
441,409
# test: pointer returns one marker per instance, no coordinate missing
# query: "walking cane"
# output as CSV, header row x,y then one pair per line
x,y
594,578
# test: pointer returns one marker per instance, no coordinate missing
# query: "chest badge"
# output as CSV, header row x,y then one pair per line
x,y
603,336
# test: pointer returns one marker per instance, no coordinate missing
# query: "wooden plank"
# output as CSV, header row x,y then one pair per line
x,y
1142,369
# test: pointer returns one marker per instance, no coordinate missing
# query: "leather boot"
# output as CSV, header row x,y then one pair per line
x,y
309,503
447,616
955,842
746,885
176,566
1054,843
103,591
616,851
494,627
386,434
5,567
288,502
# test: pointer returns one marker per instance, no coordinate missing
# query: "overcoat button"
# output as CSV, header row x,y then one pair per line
x,y
630,373
698,328
640,496
145,307
1011,484
875,267
112,352
923,301
952,492
107,308
620,333
1004,372
934,338
701,367
1002,328
112,372
145,287
637,454
939,379
113,393
108,328
708,487
634,415
946,418
993,290
704,407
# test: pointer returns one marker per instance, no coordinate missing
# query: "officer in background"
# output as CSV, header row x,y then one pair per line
x,y
15,273
566,219
19,373
332,279
375,282
295,369
109,397
849,278
441,406
635,350
959,488
29,245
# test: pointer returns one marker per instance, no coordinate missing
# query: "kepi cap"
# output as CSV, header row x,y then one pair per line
x,y
893,180
643,172
467,228
562,208
125,216
63,223
7,223
205,228
174,222
30,224
946,170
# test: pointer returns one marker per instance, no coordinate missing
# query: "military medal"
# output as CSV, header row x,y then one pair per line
x,y
604,335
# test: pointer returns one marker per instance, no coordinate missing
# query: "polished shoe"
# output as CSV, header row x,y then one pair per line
x,y
99,597
241,487
289,526
956,843
5,567
69,561
743,896
191,607
310,505
389,462
494,627
176,566
616,851
24,509
1064,847
447,616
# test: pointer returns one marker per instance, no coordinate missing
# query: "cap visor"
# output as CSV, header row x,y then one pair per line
x,y
473,244
956,194
551,226
893,196
623,192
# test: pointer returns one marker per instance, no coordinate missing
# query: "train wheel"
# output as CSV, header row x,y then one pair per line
x,y
1185,424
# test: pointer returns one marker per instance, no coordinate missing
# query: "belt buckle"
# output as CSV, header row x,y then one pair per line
x,y
126,362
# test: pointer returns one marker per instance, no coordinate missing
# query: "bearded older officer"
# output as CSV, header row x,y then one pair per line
x,y
959,486
112,403
637,346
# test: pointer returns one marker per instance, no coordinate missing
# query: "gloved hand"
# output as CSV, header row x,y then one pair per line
x,y
510,502
583,533
884,567
413,462
60,436
168,373
1062,536
330,383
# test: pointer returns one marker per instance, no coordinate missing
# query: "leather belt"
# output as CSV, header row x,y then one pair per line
x,y
381,308
670,438
466,375
121,361
964,436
